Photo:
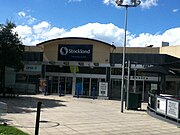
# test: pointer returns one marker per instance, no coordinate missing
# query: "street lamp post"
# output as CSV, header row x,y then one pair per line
x,y
134,3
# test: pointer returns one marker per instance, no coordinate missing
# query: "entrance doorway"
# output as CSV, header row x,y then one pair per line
x,y
115,89
87,87
82,86
94,87
54,84
65,85
59,85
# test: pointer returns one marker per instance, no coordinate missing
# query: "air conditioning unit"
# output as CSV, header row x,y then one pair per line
x,y
81,63
96,64
66,63
52,62
112,64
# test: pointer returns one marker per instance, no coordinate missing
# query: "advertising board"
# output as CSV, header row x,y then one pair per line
x,y
172,109
103,89
75,52
161,105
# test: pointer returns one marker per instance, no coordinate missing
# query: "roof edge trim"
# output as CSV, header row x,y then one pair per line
x,y
76,38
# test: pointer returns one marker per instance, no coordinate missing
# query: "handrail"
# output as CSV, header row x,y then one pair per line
x,y
165,106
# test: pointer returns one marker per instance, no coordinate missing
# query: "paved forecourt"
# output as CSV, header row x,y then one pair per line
x,y
82,116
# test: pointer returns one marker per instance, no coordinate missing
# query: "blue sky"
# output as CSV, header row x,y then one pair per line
x,y
152,22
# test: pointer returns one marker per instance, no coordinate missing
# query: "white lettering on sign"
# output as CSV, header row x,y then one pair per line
x,y
79,51
32,68
103,88
65,51
172,109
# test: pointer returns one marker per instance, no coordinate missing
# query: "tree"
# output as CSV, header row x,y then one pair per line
x,y
11,50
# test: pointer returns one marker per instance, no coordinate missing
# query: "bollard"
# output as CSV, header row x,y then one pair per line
x,y
94,92
46,91
77,91
38,118
60,89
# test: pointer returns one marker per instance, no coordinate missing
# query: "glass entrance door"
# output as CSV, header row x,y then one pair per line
x,y
55,84
94,87
65,85
86,86
115,89
62,86
79,86
82,86
68,85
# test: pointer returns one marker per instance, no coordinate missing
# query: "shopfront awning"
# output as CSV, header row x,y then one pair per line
x,y
158,70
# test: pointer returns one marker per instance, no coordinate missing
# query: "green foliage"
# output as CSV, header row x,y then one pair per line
x,y
8,130
11,48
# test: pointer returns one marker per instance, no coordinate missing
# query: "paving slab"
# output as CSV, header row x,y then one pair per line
x,y
82,116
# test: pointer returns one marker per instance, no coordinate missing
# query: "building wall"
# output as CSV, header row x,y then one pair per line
x,y
170,50
100,54
99,49
33,48
149,50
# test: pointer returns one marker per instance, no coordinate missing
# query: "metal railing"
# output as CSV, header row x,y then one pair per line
x,y
166,106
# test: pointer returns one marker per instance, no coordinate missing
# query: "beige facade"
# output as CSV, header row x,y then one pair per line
x,y
50,49
90,73
33,49
100,53
170,50
147,50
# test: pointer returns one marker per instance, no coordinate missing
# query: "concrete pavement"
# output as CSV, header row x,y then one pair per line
x,y
82,116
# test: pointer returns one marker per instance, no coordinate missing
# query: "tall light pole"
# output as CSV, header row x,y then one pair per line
x,y
133,3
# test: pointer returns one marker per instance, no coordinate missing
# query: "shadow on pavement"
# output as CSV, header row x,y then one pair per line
x,y
27,104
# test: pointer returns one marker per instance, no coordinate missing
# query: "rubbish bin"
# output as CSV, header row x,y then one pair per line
x,y
134,101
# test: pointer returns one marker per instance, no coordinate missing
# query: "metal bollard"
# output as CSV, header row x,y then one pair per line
x,y
38,118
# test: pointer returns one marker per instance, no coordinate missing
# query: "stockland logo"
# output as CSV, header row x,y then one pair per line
x,y
65,51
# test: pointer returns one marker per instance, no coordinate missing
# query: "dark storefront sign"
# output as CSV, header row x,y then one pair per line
x,y
75,52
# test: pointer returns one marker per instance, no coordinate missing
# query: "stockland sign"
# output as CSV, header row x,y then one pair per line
x,y
75,52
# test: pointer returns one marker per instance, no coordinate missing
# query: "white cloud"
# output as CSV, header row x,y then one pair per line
x,y
41,27
38,33
74,0
27,18
108,2
25,33
31,19
146,4
109,33
105,32
54,33
175,10
144,39
172,36
23,30
22,14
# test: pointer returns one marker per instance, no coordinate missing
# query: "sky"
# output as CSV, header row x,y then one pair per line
x,y
150,23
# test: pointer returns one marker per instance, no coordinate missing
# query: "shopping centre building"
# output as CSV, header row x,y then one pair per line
x,y
92,68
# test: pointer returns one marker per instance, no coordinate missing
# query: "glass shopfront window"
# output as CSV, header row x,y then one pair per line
x,y
21,78
33,79
115,91
171,88
56,68
90,70
116,71
86,86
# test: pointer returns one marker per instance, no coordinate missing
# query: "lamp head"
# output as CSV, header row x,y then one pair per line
x,y
119,2
135,2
